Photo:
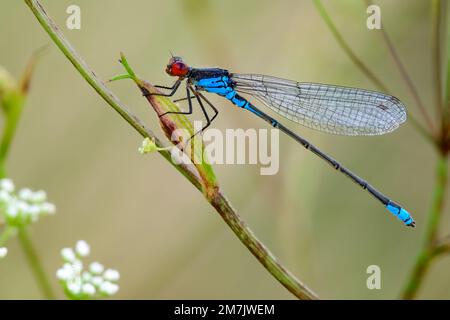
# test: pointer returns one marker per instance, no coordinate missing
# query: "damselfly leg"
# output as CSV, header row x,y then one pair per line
x,y
188,98
173,89
199,97
191,92
216,112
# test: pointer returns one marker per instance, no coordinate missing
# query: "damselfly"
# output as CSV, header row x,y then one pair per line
x,y
328,108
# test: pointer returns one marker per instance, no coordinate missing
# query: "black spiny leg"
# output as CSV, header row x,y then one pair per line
x,y
173,89
181,99
198,95
216,112
188,97
199,98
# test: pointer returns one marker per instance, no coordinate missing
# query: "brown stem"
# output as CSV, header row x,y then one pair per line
x,y
258,249
217,200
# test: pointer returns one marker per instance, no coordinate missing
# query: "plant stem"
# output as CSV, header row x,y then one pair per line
x,y
406,78
13,106
31,255
431,247
428,250
6,234
12,116
267,259
364,69
34,262
13,110
340,39
98,85
442,247
436,15
217,200
446,20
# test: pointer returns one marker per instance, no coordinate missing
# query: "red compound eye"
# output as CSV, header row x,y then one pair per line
x,y
177,69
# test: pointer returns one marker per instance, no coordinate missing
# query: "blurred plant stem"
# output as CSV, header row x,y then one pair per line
x,y
35,263
432,247
12,100
214,195
12,116
7,233
410,86
361,65
436,15
344,45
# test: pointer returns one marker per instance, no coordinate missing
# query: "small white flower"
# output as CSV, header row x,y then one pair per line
x,y
68,254
111,275
96,268
3,252
74,287
64,274
25,194
38,196
7,185
67,271
97,281
109,288
23,207
77,266
89,289
48,208
86,276
12,211
82,248
144,145
34,210
5,196
79,283
61,274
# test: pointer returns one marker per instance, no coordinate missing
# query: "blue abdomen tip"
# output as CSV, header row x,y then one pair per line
x,y
401,214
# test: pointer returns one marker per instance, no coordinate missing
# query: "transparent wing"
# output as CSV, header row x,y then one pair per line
x,y
328,108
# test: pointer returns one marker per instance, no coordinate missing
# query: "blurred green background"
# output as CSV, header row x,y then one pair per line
x,y
143,218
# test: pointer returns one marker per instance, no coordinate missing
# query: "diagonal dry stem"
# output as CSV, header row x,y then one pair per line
x,y
216,199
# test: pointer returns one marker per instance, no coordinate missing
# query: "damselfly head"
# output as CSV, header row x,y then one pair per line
x,y
176,67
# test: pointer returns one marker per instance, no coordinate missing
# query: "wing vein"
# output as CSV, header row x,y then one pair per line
x,y
328,108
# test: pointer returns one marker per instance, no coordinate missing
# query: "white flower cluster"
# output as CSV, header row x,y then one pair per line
x,y
23,207
96,282
3,252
